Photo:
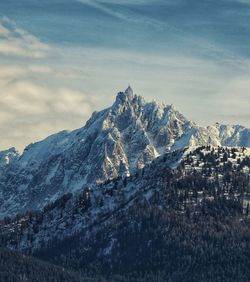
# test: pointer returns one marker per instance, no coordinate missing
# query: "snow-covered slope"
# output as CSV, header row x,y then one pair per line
x,y
7,157
114,142
93,208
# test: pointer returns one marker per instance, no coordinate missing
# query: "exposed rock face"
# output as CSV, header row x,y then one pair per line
x,y
114,142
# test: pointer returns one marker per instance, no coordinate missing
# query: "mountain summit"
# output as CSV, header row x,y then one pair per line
x,y
114,142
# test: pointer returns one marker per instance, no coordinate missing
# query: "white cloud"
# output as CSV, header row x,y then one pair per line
x,y
18,42
32,105
30,111
131,2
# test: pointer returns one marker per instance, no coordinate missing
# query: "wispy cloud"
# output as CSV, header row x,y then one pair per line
x,y
103,8
247,2
30,110
32,104
202,45
18,42
132,2
129,2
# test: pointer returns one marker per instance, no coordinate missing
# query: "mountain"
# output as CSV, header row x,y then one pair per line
x,y
114,142
190,223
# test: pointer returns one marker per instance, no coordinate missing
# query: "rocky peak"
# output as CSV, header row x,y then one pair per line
x,y
126,96
129,91
114,142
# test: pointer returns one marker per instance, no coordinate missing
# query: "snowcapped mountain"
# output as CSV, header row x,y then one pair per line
x,y
114,142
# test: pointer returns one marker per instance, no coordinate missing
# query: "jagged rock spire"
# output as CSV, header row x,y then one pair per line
x,y
129,91
128,94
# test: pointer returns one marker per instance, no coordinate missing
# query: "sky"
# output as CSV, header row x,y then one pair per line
x,y
60,60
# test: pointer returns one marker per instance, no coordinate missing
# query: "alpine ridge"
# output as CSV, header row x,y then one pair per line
x,y
114,142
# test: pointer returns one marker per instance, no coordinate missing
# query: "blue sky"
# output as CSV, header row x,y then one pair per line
x,y
62,59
